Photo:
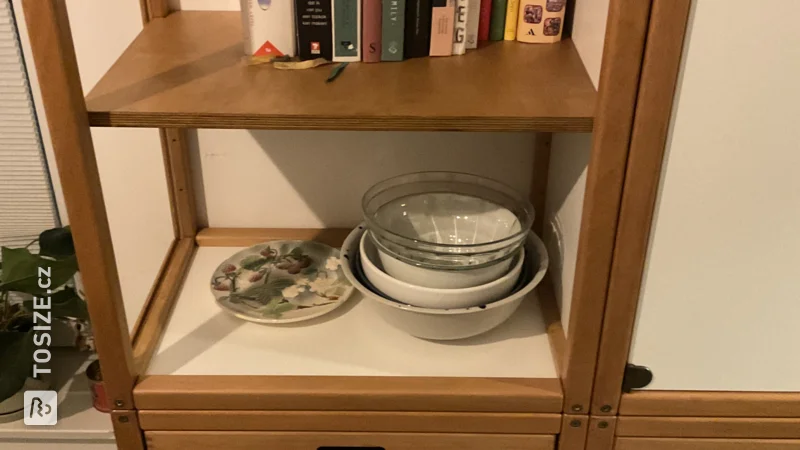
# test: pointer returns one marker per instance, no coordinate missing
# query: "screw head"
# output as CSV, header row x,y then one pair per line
x,y
605,408
577,408
119,403
602,424
575,423
123,419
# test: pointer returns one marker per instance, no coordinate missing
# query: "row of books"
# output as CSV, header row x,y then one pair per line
x,y
392,30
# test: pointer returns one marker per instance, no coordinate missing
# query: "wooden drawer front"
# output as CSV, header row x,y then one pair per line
x,y
245,440
705,444
351,421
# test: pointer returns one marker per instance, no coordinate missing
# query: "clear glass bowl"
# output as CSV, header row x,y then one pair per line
x,y
447,220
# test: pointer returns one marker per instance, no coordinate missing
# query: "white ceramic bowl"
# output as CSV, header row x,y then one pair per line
x,y
434,298
440,279
437,324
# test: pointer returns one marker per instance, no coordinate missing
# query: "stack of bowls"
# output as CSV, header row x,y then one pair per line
x,y
445,245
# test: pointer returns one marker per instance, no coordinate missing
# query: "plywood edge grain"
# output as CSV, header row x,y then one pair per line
x,y
351,421
158,310
361,123
153,289
245,237
341,393
710,404
709,427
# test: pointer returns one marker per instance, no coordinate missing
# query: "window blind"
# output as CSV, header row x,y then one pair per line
x,y
27,205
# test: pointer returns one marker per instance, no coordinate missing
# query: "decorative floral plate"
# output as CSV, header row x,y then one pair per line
x,y
281,282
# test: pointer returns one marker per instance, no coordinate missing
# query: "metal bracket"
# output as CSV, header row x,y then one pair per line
x,y
636,377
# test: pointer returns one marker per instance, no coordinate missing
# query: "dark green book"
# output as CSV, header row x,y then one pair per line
x,y
497,29
393,30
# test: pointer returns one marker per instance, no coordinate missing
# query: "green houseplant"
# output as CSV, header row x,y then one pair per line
x,y
35,289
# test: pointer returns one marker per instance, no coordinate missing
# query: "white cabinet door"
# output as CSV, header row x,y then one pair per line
x,y
720,298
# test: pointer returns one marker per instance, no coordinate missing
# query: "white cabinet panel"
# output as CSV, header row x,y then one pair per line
x,y
720,300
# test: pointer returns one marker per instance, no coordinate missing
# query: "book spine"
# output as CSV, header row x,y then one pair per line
x,y
497,28
485,21
460,27
442,27
268,32
418,28
473,21
541,21
347,30
512,13
372,11
393,28
314,30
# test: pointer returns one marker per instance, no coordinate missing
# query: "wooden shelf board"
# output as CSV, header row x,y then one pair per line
x,y
188,70
205,355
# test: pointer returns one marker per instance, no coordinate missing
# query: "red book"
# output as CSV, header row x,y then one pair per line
x,y
485,21
371,28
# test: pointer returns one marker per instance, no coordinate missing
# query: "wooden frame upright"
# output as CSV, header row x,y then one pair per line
x,y
667,419
531,406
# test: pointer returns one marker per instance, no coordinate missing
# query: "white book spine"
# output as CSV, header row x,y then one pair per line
x,y
473,19
460,27
268,29
337,15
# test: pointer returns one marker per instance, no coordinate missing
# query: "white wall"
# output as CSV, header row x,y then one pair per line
x,y
129,160
568,163
720,299
588,33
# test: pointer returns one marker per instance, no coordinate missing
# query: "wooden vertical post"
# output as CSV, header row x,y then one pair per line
x,y
660,69
616,102
54,57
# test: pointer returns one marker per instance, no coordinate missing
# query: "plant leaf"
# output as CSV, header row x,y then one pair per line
x,y
56,243
253,262
16,359
21,272
65,303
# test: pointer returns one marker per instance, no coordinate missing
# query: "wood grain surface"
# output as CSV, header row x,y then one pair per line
x,y
62,96
177,165
662,60
541,170
157,311
253,440
245,237
342,393
627,443
188,70
710,404
709,427
127,433
573,432
601,433
552,319
351,421
619,79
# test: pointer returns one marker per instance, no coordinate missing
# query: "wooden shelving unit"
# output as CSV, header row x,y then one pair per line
x,y
348,380
187,70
